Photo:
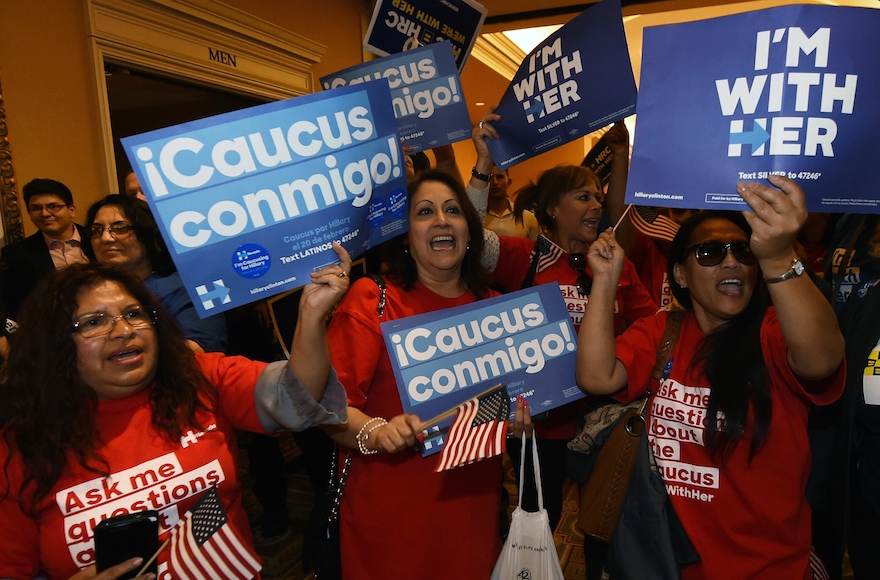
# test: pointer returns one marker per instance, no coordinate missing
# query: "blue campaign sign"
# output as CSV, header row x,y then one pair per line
x,y
790,90
576,81
524,340
425,92
249,202
398,25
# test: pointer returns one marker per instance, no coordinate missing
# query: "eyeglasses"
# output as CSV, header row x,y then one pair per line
x,y
101,323
578,263
117,230
52,208
713,253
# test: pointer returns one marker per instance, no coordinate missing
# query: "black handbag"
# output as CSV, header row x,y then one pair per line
x,y
321,536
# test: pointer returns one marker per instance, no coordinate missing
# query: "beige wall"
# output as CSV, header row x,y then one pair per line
x,y
50,97
334,23
52,102
50,91
343,36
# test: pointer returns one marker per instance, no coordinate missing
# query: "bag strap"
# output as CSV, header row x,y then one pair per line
x,y
533,269
380,282
662,367
542,248
840,274
667,343
338,485
537,470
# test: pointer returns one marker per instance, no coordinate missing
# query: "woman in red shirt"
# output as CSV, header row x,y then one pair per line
x,y
728,422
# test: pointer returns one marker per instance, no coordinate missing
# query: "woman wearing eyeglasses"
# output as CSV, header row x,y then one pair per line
x,y
567,202
124,234
105,412
728,424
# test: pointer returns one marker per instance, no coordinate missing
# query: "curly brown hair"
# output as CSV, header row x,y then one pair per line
x,y
47,411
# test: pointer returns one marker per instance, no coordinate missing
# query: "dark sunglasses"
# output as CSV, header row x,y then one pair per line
x,y
578,263
713,253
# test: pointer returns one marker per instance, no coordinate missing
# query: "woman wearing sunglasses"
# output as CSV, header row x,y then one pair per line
x,y
567,202
728,422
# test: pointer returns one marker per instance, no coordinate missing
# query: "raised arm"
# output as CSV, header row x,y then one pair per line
x,y
808,323
444,158
478,189
618,141
309,354
598,372
484,130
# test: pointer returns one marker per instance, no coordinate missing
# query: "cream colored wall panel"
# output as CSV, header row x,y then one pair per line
x,y
151,28
202,41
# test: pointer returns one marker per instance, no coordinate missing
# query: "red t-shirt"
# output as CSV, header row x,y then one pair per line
x,y
147,472
651,263
398,518
631,303
746,520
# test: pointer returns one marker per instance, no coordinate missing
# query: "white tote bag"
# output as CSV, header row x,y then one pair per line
x,y
529,552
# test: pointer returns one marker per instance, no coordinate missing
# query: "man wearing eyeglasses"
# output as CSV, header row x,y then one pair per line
x,y
49,205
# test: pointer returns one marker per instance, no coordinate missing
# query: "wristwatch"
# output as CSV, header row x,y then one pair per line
x,y
797,268
487,177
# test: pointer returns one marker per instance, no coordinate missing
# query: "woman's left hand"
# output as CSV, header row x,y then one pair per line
x,y
776,217
522,422
328,284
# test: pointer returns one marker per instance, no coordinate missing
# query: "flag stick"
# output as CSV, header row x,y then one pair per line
x,y
626,211
451,412
156,555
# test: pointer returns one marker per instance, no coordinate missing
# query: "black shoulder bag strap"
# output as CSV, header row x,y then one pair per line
x,y
337,486
667,343
840,272
541,249
380,282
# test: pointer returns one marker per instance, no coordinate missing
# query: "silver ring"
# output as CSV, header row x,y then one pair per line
x,y
480,125
342,274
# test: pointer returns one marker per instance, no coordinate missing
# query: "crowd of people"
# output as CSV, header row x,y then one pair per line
x,y
763,434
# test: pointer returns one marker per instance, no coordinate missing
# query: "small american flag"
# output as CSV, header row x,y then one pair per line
x,y
549,251
478,432
204,546
649,222
817,567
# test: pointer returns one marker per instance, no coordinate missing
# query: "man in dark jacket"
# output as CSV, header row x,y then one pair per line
x,y
49,205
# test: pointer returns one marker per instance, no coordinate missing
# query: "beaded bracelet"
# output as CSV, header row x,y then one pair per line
x,y
364,434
